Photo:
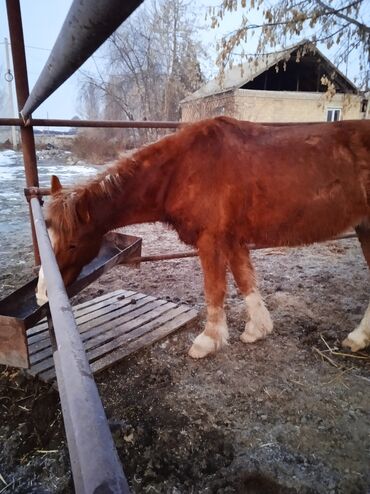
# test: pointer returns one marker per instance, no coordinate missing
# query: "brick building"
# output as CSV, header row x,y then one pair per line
x,y
276,89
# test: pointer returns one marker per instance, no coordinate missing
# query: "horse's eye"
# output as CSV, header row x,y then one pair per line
x,y
71,247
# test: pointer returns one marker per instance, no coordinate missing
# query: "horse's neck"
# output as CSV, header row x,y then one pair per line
x,y
126,198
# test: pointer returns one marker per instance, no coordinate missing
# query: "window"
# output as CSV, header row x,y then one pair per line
x,y
333,114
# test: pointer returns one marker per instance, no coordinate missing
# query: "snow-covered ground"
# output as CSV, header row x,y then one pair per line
x,y
13,205
16,253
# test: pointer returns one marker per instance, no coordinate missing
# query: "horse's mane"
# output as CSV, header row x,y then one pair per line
x,y
69,206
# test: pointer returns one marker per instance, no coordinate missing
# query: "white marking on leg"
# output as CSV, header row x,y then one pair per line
x,y
214,336
260,322
41,297
360,337
41,294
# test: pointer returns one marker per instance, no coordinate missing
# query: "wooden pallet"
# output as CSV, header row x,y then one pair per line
x,y
111,326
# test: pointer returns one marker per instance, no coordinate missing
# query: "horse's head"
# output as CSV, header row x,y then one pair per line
x,y
74,236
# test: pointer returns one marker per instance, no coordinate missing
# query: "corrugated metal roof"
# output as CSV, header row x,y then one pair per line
x,y
239,75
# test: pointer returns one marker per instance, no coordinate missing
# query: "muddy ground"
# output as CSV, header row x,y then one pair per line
x,y
284,415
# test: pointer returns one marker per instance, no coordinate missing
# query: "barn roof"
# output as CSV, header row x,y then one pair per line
x,y
240,75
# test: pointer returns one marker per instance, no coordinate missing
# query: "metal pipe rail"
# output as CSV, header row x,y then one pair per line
x,y
118,124
86,27
22,90
193,253
94,460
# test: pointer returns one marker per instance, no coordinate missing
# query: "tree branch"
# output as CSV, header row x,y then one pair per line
x,y
338,13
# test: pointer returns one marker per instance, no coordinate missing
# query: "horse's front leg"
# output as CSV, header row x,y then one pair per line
x,y
259,324
216,333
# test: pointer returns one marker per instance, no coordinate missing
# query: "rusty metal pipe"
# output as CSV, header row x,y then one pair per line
x,y
94,460
11,121
39,192
21,84
123,124
86,27
181,255
162,257
118,124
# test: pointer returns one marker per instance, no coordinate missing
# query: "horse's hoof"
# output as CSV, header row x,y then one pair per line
x,y
249,338
203,345
353,345
254,333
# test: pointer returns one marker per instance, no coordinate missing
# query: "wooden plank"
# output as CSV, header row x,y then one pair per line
x,y
121,336
45,365
146,305
36,332
144,311
43,359
38,343
112,312
149,338
88,331
102,298
141,330
137,329
81,309
94,326
106,304
121,295
113,327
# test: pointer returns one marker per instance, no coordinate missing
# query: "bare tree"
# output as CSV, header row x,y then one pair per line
x,y
340,24
90,95
152,63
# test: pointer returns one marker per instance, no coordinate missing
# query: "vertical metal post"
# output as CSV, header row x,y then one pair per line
x,y
21,84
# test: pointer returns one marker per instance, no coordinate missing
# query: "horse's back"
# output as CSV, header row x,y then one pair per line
x,y
306,183
286,184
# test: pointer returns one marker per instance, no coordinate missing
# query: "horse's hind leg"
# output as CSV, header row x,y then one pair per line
x,y
259,324
215,334
360,337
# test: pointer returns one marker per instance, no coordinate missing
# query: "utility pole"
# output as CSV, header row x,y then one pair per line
x,y
9,78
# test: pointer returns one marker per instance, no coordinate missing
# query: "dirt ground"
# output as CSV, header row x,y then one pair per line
x,y
284,415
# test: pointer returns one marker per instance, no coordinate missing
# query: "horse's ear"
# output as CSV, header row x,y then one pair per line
x,y
56,186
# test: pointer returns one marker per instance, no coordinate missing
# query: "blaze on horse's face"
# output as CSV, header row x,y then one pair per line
x,y
73,253
72,250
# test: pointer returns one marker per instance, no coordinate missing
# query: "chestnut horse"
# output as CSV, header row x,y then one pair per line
x,y
223,184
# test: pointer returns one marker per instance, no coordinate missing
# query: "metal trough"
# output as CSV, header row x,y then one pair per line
x,y
20,311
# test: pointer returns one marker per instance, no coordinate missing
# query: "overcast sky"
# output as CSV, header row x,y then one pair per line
x,y
42,20
41,26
